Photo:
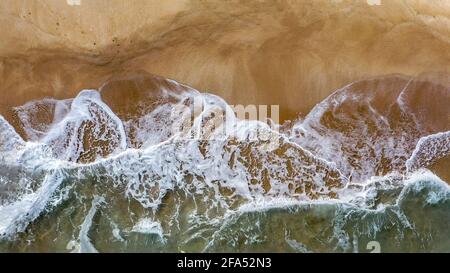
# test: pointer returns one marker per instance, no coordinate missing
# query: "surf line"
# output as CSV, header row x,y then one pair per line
x,y
193,263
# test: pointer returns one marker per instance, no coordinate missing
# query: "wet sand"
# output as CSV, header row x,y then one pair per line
x,y
150,194
291,53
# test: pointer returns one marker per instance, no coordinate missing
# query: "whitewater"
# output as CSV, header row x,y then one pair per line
x,y
175,170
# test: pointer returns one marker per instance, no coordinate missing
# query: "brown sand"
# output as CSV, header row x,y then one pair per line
x,y
291,53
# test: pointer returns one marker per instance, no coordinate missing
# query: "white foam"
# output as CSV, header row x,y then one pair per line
x,y
16,216
149,226
38,116
361,143
10,141
425,179
226,163
429,149
88,116
86,245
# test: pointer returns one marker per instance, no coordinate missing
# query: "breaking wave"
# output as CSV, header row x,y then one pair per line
x,y
147,164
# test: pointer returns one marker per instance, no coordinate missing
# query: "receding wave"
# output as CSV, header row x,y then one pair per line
x,y
147,164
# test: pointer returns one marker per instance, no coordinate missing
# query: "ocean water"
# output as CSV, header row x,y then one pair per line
x,y
175,170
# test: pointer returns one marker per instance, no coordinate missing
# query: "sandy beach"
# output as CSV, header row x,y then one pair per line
x,y
291,53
